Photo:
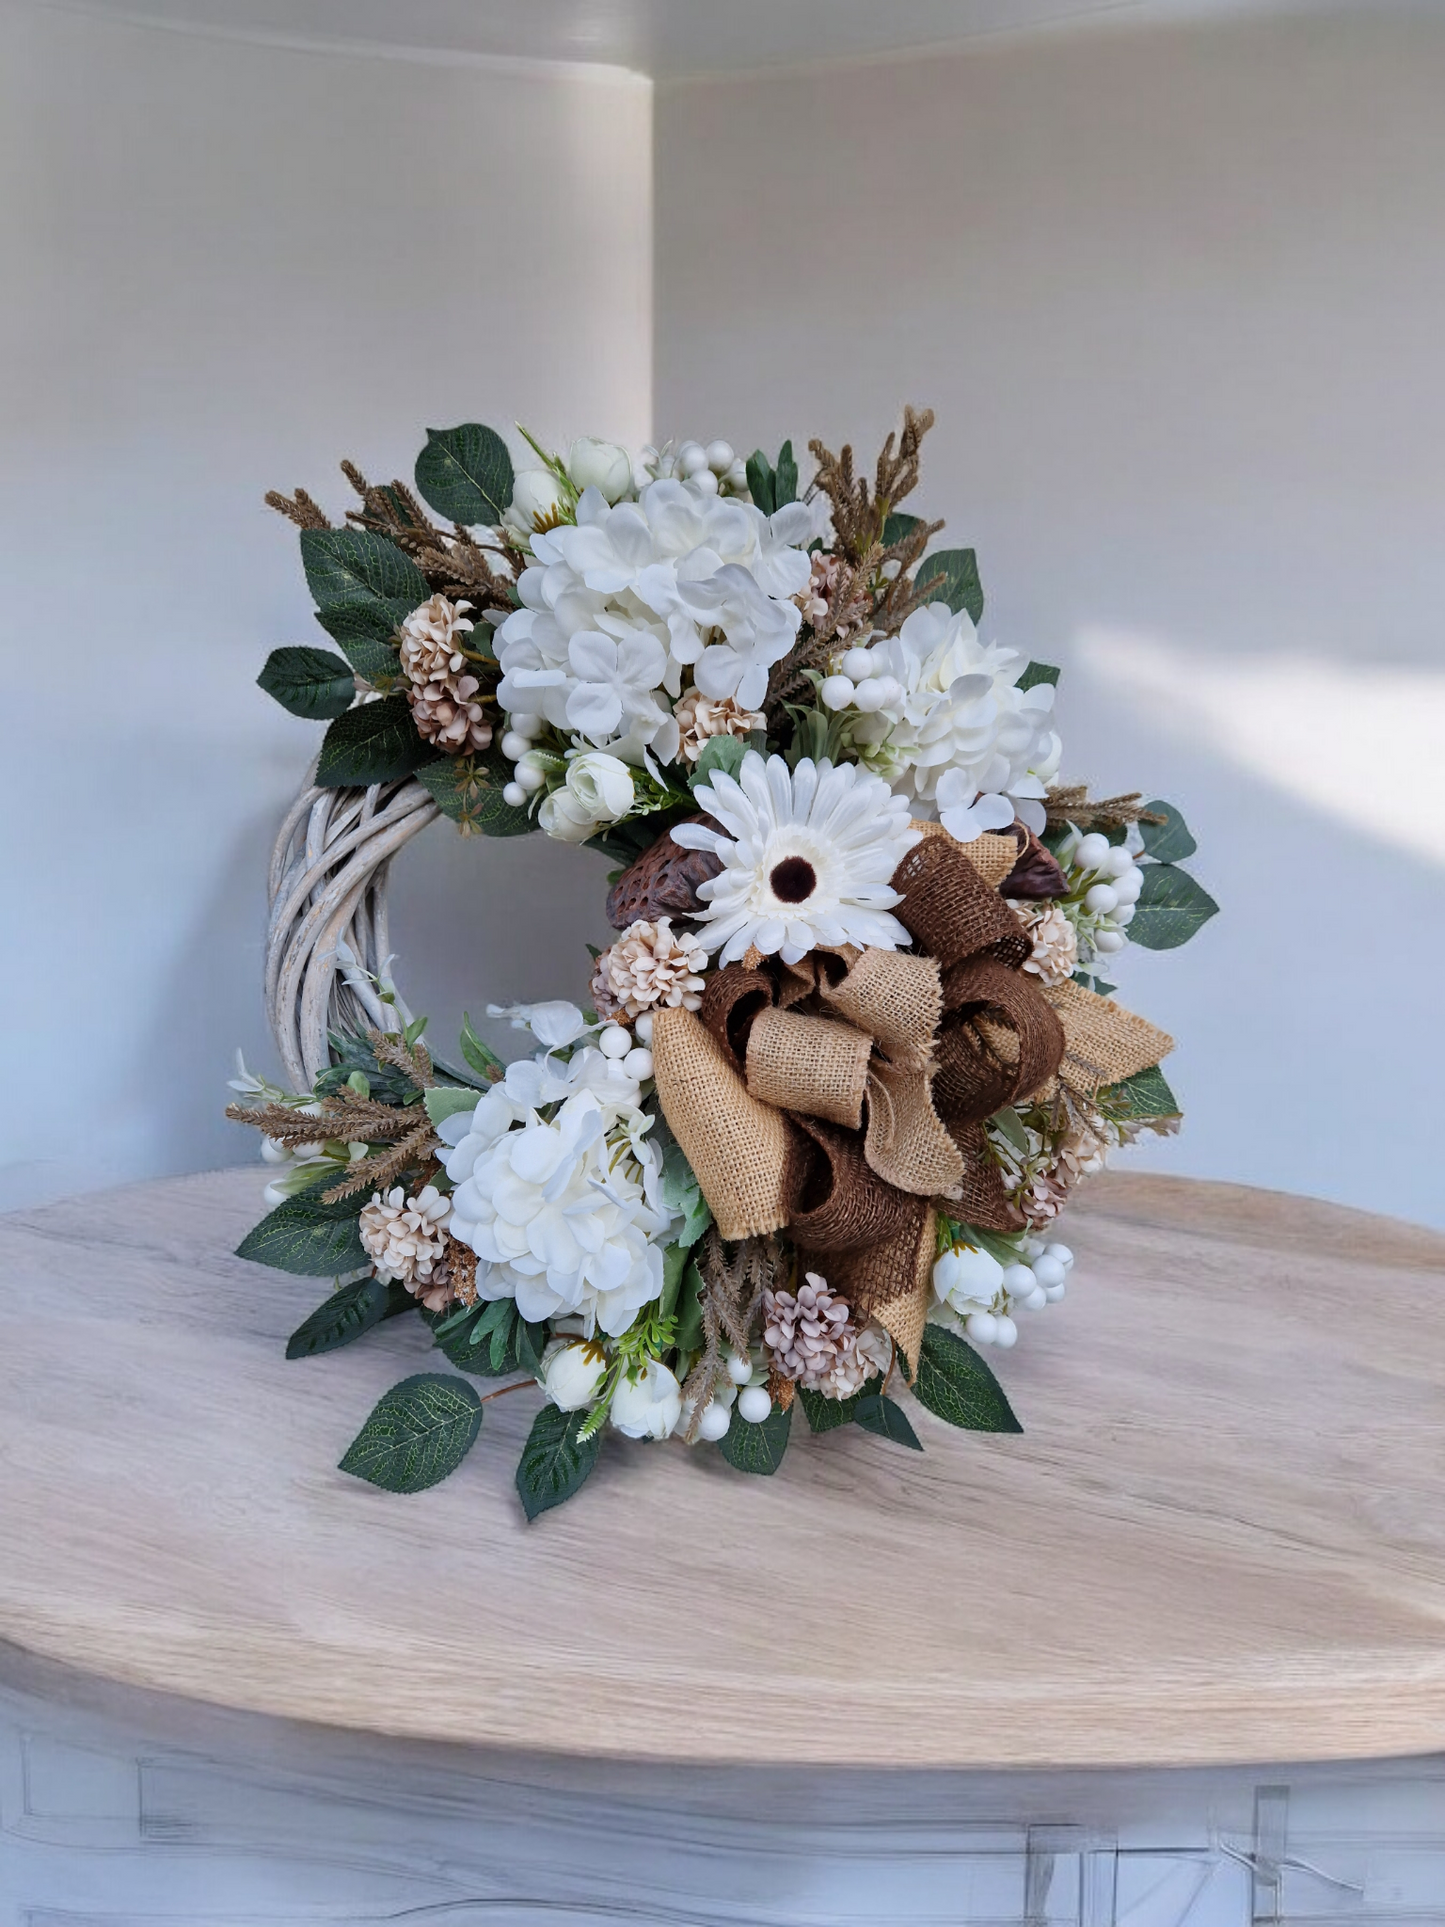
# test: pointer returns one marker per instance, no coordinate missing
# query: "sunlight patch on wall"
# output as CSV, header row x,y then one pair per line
x,y
1360,744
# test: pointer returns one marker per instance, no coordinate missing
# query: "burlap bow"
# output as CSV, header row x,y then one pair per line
x,y
843,1098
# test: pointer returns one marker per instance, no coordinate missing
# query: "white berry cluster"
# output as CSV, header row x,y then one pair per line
x,y
717,467
973,1288
861,681
1104,883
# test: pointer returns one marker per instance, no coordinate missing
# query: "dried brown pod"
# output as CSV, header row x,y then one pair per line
x,y
662,882
1037,874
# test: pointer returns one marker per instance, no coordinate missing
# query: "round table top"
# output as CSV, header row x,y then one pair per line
x,y
1220,1537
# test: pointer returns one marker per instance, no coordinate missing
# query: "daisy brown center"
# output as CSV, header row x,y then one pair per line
x,y
793,880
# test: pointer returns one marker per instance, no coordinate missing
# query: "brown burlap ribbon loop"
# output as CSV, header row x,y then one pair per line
x,y
950,911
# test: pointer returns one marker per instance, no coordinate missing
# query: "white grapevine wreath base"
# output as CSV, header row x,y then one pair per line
x,y
327,894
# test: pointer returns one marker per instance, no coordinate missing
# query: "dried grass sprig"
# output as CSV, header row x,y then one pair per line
x,y
298,508
1069,803
349,1119
372,1173
414,1059
734,1280
859,513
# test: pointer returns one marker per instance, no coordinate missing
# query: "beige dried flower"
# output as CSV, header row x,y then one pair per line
x,y
699,717
447,714
406,1239
650,965
812,1339
1055,955
430,650
832,578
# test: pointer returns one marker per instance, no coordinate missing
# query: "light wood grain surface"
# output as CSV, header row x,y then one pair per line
x,y
1221,1538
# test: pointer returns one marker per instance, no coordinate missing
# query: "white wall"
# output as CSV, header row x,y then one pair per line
x,y
1179,301
226,266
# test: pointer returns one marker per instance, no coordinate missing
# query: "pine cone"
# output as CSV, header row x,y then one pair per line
x,y
405,1238
662,882
812,1339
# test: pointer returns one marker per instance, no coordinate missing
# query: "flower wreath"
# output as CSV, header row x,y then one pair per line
x,y
849,1048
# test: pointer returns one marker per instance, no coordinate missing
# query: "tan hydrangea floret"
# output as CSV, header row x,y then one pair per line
x,y
812,1339
406,1240
699,717
449,717
1056,945
430,651
650,965
441,690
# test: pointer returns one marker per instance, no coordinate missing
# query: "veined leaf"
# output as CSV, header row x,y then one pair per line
x,y
304,1235
363,632
373,743
1144,1095
1169,841
955,1385
418,1433
309,682
465,474
468,789
896,526
1171,908
354,568
757,1448
827,1414
878,1414
347,1314
555,1461
960,587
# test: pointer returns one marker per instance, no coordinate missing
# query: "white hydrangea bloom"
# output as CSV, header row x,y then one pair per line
x,y
563,1213
615,608
962,741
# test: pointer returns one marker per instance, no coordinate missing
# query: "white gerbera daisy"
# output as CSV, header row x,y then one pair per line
x,y
807,860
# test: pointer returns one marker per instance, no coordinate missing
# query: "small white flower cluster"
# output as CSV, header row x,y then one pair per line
x,y
979,1293
1105,883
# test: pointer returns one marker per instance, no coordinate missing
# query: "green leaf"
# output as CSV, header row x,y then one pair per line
x,y
489,1341
785,477
481,1057
1010,1125
723,753
1169,841
308,1237
674,1264
1144,1095
309,682
351,1055
762,485
879,1414
757,1448
363,632
689,1310
465,474
960,587
468,789
372,743
996,1246
554,1461
1171,908
355,569
346,1314
956,1386
442,1101
896,526
827,1414
1036,673
418,1432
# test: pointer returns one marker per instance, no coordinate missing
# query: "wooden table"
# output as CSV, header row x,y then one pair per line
x,y
1046,1679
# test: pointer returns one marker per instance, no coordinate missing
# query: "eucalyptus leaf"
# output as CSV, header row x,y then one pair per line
x,y
373,743
1169,841
757,1448
418,1433
1170,909
896,526
1036,673
349,1312
955,1385
442,1102
959,586
306,1236
465,474
878,1414
555,1460
355,568
723,753
309,682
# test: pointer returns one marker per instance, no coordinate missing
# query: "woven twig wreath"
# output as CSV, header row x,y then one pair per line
x,y
849,1049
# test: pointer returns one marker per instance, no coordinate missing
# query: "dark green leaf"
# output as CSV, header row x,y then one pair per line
x,y
309,682
350,1054
689,1310
418,1432
827,1414
363,632
465,473
674,1264
959,586
757,1448
554,1461
1144,1095
1169,841
489,1341
1010,1125
481,1057
785,477
355,569
723,753
1171,907
762,485
956,1386
306,1236
1036,673
896,526
879,1414
346,1314
468,789
372,743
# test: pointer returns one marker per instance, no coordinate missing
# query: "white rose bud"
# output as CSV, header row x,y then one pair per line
x,y
649,1406
536,495
601,785
563,817
600,465
572,1370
